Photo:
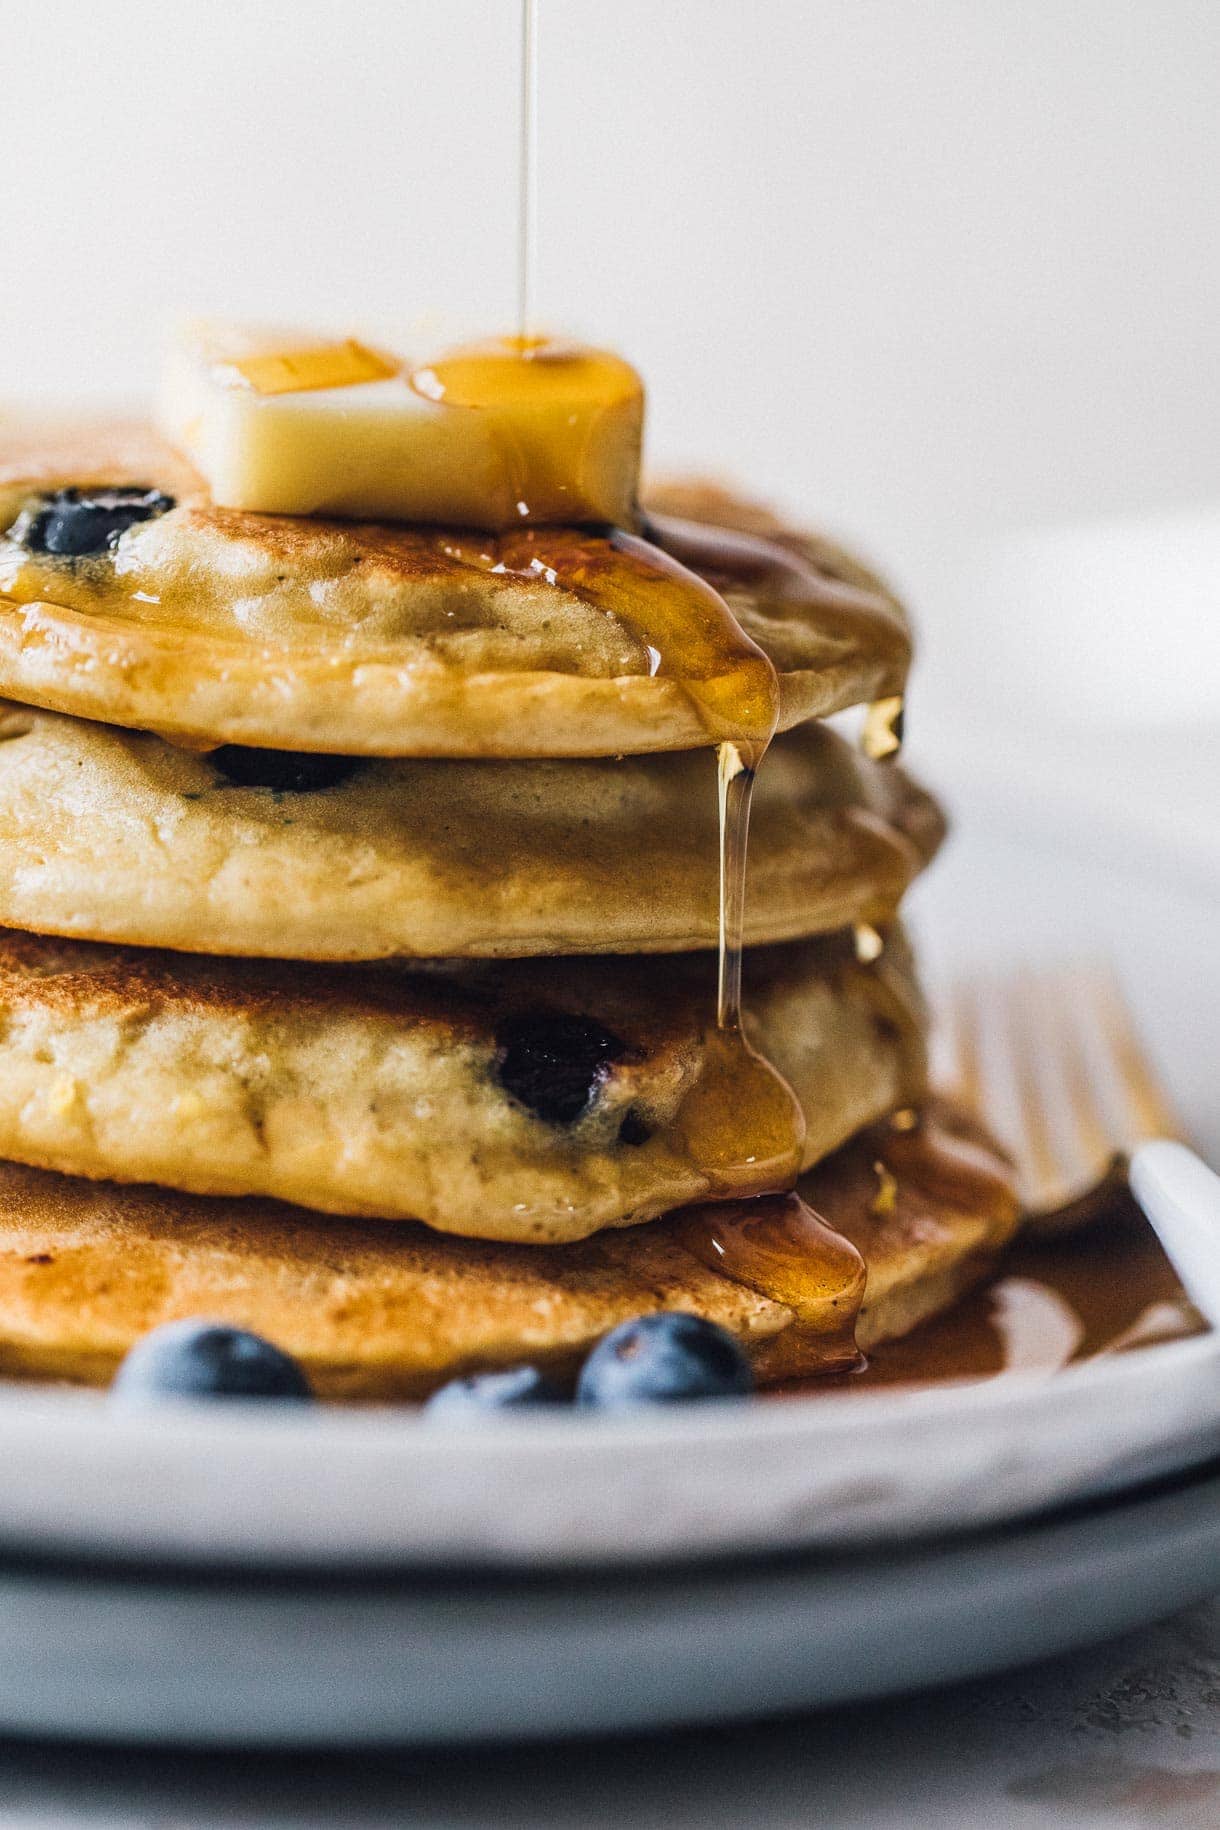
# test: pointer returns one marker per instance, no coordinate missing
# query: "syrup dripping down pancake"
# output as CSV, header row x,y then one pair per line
x,y
389,1312
531,1100
220,627
117,836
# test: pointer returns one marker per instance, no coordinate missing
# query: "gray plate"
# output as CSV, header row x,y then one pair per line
x,y
260,1661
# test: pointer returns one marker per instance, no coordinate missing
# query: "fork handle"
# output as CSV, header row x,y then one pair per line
x,y
1181,1198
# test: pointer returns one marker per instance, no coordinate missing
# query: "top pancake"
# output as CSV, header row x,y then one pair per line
x,y
214,626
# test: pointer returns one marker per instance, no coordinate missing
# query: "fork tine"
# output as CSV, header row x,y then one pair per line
x,y
1052,1062
1091,1141
1146,1107
960,1063
990,1058
985,1083
1035,1069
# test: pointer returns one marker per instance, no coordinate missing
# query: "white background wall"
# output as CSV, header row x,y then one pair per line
x,y
929,269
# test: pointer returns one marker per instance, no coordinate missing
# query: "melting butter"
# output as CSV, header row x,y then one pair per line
x,y
502,432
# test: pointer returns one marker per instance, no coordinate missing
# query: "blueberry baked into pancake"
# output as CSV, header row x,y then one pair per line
x,y
397,996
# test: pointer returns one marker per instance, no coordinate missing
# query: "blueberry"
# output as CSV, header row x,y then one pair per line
x,y
666,1358
207,1360
287,771
634,1130
75,523
554,1062
519,1388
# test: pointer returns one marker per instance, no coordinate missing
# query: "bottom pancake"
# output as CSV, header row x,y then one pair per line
x,y
381,1311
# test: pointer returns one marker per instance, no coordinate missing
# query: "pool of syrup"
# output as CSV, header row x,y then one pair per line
x,y
1051,1303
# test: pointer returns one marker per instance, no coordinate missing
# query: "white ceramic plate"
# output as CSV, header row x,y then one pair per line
x,y
313,1661
357,1491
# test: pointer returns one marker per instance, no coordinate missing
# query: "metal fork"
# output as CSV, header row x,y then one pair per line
x,y
1051,1062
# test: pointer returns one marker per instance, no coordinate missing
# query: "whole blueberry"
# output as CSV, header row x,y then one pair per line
x,y
518,1388
666,1358
207,1360
554,1062
79,523
285,771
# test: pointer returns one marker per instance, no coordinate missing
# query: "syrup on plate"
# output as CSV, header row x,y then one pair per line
x,y
1108,1289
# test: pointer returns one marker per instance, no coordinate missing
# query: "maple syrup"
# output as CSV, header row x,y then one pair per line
x,y
541,372
795,588
681,621
737,1096
736,768
1109,1289
780,1247
559,425
757,1231
310,366
527,167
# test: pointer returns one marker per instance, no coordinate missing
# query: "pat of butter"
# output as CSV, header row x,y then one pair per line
x,y
491,436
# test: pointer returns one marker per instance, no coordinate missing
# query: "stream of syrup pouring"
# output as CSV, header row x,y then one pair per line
x,y
756,1230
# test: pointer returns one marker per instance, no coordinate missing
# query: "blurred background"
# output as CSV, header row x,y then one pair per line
x,y
928,269
934,272
941,275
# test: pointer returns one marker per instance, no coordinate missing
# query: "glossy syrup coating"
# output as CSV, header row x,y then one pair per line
x,y
220,626
372,1311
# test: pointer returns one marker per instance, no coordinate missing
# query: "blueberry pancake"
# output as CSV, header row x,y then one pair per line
x,y
119,836
530,1100
389,1312
127,596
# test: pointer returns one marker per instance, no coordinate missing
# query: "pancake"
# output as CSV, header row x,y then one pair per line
x,y
380,1312
710,502
110,835
219,627
528,1100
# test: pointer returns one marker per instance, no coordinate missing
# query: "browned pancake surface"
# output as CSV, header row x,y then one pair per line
x,y
381,1312
217,626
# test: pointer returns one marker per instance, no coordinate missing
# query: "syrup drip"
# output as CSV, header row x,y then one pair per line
x,y
758,1232
741,1125
778,1246
736,784
687,630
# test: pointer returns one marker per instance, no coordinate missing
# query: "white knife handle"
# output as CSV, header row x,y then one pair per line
x,y
1181,1198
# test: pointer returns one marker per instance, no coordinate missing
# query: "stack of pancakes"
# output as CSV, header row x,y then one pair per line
x,y
374,870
